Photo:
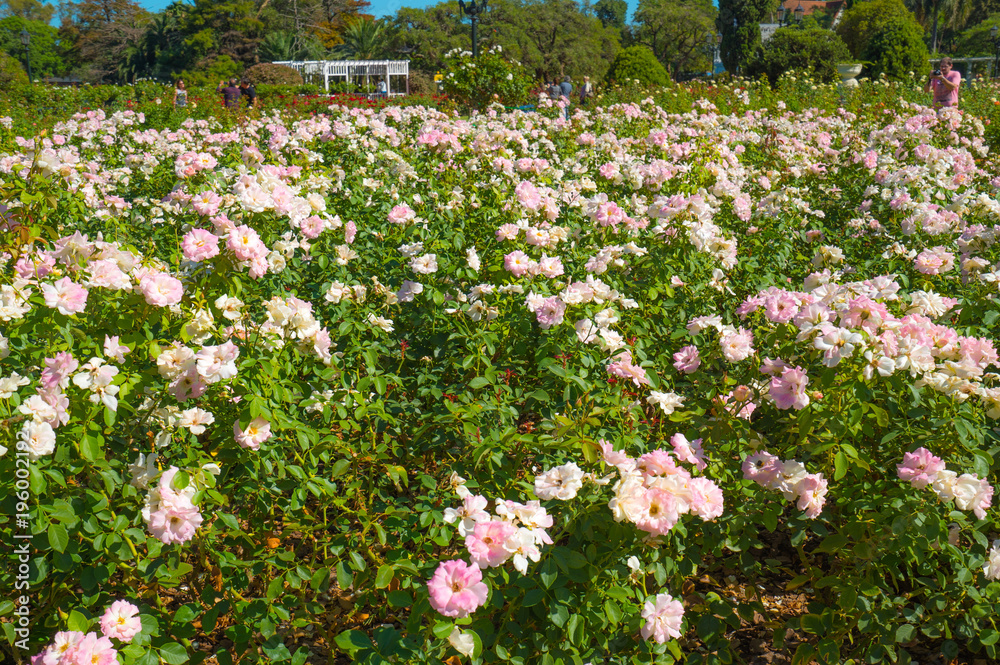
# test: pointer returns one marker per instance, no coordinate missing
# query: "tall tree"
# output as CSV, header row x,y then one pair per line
x,y
231,28
365,39
549,37
29,10
43,49
939,16
427,34
554,38
676,31
739,24
611,12
860,23
286,45
336,15
106,32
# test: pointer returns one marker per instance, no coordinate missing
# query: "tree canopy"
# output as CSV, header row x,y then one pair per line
x,y
738,22
677,32
43,48
119,41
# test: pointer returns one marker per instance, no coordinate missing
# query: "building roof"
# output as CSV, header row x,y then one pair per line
x,y
810,6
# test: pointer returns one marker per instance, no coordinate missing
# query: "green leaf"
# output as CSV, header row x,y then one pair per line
x,y
58,537
185,614
832,543
173,653
812,623
548,578
383,577
344,577
90,447
399,598
612,611
300,656
275,588
840,465
708,626
353,641
479,382
442,629
804,654
575,629
770,518
78,621
181,480
905,633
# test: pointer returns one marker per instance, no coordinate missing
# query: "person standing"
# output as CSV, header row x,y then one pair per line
x,y
565,90
180,95
230,93
247,90
586,90
383,91
943,84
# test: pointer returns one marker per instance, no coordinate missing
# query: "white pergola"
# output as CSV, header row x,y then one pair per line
x,y
354,69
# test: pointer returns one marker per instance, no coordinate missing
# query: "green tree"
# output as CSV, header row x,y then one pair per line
x,y
817,51
554,38
611,13
549,37
286,45
335,15
739,22
981,11
11,71
164,42
427,34
106,32
214,28
676,31
365,38
896,49
29,10
942,19
975,42
211,70
867,17
637,63
43,48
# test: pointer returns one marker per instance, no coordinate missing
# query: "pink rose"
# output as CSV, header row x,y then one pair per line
x,y
457,589
200,245
66,296
663,617
121,621
161,289
485,543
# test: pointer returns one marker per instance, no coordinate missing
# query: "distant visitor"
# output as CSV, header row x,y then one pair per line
x,y
943,84
230,93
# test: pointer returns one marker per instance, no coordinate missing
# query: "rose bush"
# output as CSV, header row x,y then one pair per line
x,y
399,384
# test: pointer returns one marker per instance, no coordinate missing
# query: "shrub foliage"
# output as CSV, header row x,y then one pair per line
x,y
272,74
637,63
817,51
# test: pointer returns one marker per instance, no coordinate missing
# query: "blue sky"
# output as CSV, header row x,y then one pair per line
x,y
379,7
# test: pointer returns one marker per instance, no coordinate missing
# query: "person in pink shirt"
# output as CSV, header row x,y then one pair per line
x,y
943,84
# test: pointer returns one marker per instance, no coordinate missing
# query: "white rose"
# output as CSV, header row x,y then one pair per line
x,y
37,439
462,641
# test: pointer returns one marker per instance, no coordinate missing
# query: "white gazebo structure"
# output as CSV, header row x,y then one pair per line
x,y
351,70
